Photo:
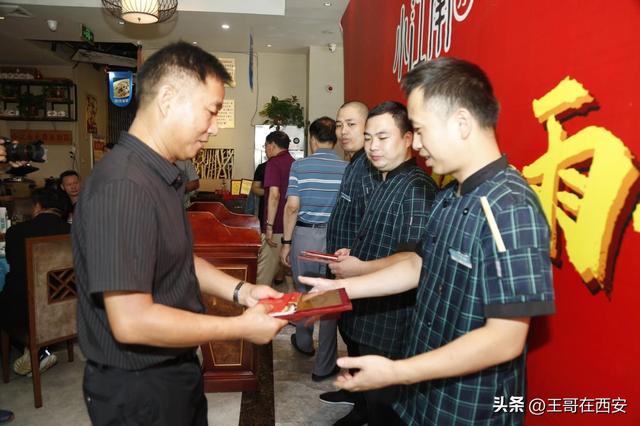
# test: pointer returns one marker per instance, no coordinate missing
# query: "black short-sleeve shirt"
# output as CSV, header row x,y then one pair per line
x,y
130,233
396,212
347,213
259,177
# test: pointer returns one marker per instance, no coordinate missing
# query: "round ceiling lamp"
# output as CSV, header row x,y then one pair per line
x,y
141,11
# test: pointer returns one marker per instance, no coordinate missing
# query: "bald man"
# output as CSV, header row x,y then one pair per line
x,y
348,211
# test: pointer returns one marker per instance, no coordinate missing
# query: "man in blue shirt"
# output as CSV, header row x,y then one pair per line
x,y
314,183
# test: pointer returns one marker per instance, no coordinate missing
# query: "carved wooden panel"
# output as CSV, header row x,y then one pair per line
x,y
61,285
225,353
215,163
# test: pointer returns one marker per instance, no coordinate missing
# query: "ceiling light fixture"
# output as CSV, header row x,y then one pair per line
x,y
268,45
225,26
327,4
195,43
141,11
121,22
1,18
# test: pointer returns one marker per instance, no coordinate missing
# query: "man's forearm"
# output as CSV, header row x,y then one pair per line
x,y
290,217
498,341
272,203
159,325
213,281
375,265
192,185
398,277
257,189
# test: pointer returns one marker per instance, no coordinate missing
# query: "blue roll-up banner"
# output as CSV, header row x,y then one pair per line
x,y
120,87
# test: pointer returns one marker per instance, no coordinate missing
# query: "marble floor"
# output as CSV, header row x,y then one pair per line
x,y
296,395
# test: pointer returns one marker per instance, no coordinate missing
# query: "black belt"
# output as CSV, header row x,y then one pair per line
x,y
310,225
181,359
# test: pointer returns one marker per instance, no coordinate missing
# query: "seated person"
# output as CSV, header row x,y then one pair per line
x,y
48,208
70,184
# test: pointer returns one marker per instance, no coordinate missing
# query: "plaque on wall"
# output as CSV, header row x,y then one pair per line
x,y
230,65
227,115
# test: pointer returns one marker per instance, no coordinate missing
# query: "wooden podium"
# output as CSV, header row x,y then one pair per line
x,y
231,242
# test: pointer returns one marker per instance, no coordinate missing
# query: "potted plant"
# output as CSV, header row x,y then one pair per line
x,y
283,112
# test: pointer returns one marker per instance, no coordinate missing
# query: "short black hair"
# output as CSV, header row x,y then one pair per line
x,y
280,138
175,59
324,130
397,110
459,83
49,198
68,173
110,145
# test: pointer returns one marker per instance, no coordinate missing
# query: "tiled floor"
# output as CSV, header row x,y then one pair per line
x,y
296,395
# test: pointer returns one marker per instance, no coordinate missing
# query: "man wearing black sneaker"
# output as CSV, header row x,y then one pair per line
x,y
48,211
397,207
346,215
314,183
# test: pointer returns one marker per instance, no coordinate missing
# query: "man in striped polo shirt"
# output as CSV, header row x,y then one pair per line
x,y
313,188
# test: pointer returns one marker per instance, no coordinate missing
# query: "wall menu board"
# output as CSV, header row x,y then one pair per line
x,y
230,65
227,115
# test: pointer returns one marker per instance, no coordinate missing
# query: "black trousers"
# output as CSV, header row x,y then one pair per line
x,y
374,405
169,394
379,401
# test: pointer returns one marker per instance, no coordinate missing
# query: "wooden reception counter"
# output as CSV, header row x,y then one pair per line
x,y
231,242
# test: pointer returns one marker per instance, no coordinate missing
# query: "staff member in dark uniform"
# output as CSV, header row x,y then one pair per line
x,y
485,268
140,314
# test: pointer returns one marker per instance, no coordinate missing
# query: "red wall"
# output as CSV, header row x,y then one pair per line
x,y
591,347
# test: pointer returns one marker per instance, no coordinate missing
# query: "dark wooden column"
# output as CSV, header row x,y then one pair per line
x,y
231,242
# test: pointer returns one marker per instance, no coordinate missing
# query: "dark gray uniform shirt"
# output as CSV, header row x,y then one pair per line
x,y
130,233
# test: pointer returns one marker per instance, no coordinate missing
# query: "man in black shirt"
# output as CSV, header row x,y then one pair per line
x,y
140,314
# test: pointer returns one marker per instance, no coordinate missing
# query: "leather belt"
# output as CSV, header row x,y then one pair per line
x,y
310,225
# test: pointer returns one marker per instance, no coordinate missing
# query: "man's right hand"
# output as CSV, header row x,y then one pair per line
x,y
320,284
258,326
347,266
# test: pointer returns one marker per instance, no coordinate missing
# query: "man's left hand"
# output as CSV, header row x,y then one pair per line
x,y
250,294
268,236
374,372
285,250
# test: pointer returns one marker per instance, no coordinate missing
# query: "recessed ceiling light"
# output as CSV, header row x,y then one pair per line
x,y
268,45
327,4
121,22
1,18
225,26
195,43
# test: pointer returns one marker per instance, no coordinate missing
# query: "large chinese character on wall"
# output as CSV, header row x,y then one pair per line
x,y
584,182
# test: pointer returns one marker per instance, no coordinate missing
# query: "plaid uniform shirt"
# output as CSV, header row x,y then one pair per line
x,y
465,280
396,213
347,213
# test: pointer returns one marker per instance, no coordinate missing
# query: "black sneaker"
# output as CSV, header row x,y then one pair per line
x,y
294,343
356,417
321,377
341,397
6,416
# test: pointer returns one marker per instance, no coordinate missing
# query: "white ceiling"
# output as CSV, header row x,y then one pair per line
x,y
304,23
